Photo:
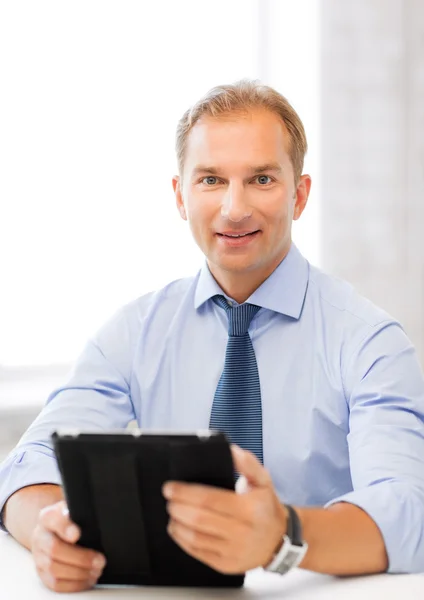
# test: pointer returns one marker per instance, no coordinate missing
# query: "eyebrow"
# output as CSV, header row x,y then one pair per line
x,y
275,167
268,167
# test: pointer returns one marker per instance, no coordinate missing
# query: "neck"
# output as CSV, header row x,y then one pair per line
x,y
240,285
235,285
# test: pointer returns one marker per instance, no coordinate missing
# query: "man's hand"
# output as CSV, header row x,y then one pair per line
x,y
61,565
228,531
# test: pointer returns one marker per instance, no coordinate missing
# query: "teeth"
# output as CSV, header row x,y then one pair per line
x,y
237,235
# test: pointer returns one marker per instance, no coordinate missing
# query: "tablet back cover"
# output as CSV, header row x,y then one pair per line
x,y
112,484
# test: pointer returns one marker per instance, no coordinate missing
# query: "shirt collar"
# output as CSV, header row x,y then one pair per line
x,y
283,292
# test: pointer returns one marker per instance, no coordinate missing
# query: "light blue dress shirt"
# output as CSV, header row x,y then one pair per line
x,y
342,393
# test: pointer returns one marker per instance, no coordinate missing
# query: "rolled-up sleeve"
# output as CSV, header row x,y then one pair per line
x,y
385,391
27,467
95,397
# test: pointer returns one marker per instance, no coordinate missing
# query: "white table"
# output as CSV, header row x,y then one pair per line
x,y
18,580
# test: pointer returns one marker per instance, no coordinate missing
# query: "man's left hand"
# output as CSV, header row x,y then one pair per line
x,y
229,531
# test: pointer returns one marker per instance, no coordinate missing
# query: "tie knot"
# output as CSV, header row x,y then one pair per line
x,y
239,317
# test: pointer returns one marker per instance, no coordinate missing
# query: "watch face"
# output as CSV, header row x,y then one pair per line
x,y
289,557
289,562
282,569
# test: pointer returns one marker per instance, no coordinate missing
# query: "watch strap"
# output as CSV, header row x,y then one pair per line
x,y
294,528
292,549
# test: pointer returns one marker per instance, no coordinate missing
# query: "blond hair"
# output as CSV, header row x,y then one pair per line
x,y
239,97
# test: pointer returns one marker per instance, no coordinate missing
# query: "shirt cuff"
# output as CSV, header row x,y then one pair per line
x,y
398,511
30,467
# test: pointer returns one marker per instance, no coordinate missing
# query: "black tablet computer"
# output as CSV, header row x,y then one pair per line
x,y
113,487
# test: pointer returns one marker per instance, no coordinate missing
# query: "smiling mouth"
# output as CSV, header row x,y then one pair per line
x,y
238,235
230,240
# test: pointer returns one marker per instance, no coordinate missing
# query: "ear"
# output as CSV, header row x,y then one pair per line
x,y
176,184
302,194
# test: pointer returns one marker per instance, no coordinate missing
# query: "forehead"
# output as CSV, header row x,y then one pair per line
x,y
251,138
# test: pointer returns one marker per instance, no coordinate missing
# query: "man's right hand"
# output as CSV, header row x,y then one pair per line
x,y
61,565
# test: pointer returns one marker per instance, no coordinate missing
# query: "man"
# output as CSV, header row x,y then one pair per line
x,y
307,376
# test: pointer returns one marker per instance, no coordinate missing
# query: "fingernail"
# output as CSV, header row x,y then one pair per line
x,y
167,490
237,450
99,562
95,574
72,532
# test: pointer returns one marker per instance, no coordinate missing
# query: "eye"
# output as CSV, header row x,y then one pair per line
x,y
263,179
210,180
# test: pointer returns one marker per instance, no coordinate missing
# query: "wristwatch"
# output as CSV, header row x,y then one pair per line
x,y
293,548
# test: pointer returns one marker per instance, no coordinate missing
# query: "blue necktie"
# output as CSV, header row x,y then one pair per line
x,y
237,409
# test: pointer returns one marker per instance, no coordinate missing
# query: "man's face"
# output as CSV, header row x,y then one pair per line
x,y
238,193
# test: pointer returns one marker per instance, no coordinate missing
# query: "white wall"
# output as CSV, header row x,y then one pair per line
x,y
290,62
372,152
91,94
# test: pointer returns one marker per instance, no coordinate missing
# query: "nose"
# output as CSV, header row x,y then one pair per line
x,y
234,204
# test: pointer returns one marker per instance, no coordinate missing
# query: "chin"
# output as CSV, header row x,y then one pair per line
x,y
236,265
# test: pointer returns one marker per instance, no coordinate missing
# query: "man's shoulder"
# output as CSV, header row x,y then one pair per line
x,y
166,297
171,293
129,319
340,299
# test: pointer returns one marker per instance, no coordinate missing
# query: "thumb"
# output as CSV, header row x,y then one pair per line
x,y
55,518
246,464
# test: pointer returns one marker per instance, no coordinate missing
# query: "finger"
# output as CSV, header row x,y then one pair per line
x,y
204,521
213,559
45,563
56,518
60,551
248,465
226,502
192,541
64,585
